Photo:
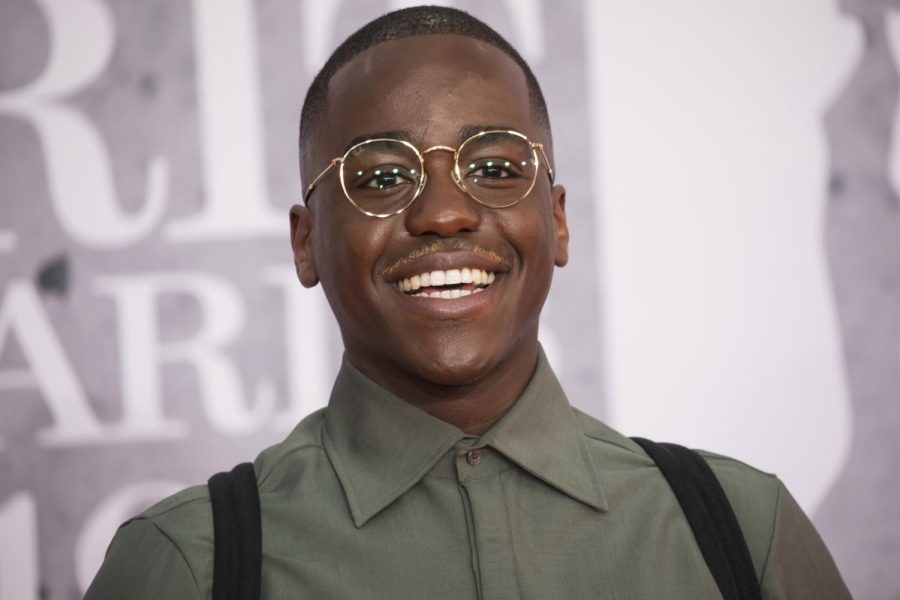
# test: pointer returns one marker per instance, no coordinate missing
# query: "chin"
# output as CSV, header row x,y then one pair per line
x,y
458,364
453,374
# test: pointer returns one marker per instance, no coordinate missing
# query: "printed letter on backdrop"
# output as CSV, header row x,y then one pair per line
x,y
144,353
19,550
23,315
79,174
306,332
228,88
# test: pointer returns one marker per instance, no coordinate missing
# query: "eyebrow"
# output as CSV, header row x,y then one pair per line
x,y
467,131
396,134
463,133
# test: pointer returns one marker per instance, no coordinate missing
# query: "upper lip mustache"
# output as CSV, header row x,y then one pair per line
x,y
443,255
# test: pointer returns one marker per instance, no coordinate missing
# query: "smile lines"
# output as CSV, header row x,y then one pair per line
x,y
464,282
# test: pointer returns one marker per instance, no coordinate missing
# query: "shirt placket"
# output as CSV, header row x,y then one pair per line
x,y
479,471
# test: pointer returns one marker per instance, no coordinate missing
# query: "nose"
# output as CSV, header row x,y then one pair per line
x,y
442,209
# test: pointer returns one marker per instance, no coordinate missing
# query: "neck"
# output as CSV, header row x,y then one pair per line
x,y
473,406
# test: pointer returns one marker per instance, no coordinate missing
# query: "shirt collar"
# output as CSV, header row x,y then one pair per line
x,y
381,446
542,434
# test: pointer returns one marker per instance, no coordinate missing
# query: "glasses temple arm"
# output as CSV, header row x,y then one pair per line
x,y
312,186
550,173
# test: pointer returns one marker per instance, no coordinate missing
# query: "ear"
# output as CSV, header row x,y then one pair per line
x,y
301,243
560,227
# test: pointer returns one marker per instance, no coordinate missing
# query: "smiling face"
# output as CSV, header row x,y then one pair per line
x,y
403,288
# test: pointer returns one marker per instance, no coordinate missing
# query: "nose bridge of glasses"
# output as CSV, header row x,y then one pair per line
x,y
445,213
436,148
453,174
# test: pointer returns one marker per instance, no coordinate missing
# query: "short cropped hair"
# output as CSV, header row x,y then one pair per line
x,y
410,22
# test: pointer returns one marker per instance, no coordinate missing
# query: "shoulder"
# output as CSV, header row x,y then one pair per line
x,y
171,540
178,531
788,554
186,517
303,445
753,494
755,497
744,484
160,553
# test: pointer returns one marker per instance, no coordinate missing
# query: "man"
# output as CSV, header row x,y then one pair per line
x,y
448,463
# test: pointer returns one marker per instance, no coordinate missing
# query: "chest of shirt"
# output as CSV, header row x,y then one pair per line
x,y
485,531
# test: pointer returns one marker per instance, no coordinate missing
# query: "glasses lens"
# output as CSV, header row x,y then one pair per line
x,y
497,168
381,176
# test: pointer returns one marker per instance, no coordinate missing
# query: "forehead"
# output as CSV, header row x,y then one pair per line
x,y
432,87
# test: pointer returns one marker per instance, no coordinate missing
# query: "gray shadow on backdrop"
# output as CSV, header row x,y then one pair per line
x,y
860,515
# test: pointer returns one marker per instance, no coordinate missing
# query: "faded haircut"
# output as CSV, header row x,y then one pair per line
x,y
399,24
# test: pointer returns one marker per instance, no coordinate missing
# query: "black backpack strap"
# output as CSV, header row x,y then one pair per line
x,y
725,521
710,516
237,562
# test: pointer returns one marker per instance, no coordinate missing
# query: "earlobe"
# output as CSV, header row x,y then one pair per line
x,y
560,227
302,246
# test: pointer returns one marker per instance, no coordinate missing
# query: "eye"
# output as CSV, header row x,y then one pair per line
x,y
492,168
385,177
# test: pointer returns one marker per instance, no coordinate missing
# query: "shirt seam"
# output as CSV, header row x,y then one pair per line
x,y
775,520
180,553
271,469
710,457
707,455
611,442
149,516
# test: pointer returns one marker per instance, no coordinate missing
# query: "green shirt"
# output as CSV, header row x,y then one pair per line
x,y
373,498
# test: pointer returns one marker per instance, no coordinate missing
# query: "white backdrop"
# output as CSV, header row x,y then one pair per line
x,y
720,321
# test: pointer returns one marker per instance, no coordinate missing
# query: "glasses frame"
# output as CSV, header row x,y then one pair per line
x,y
455,174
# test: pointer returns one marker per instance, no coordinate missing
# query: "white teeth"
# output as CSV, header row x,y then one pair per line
x,y
465,275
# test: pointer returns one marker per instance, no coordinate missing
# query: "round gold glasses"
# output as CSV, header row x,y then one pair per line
x,y
382,177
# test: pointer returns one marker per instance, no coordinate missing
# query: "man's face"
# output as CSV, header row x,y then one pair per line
x,y
430,88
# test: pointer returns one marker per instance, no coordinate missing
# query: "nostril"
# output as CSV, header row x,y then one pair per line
x,y
444,213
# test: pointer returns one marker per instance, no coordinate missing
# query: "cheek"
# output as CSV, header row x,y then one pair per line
x,y
531,232
350,248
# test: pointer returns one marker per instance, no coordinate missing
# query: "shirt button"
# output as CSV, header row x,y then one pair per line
x,y
473,457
